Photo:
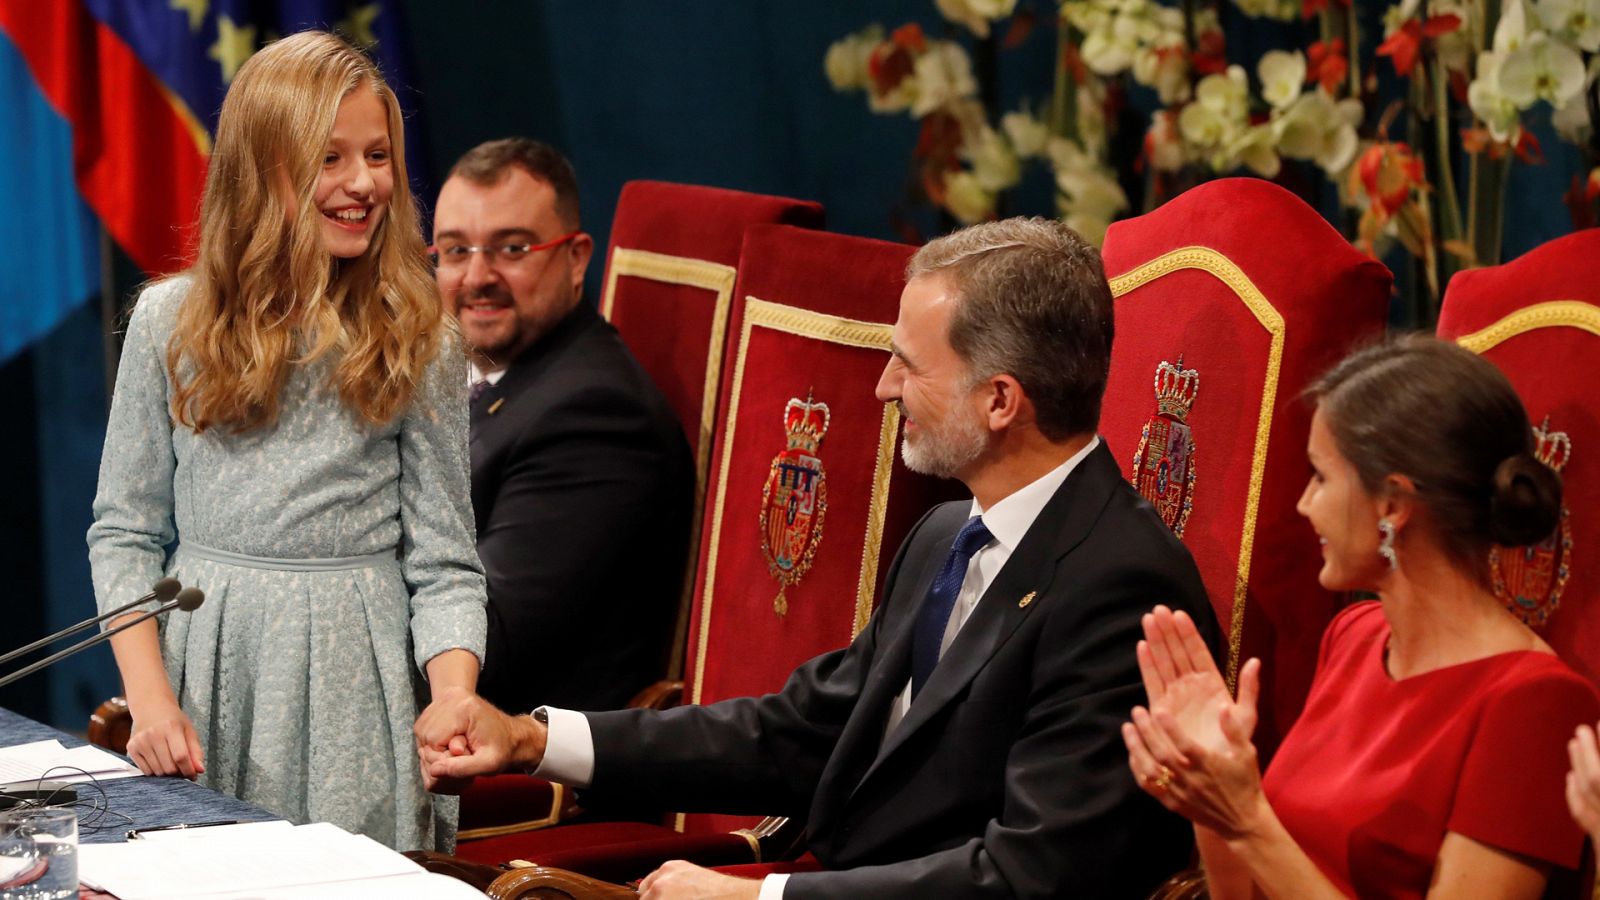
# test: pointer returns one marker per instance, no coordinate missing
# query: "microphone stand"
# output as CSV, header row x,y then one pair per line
x,y
187,600
163,590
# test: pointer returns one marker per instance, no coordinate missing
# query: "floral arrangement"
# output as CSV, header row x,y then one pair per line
x,y
1471,74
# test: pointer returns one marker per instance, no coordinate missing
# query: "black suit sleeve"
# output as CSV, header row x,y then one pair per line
x,y
588,533
749,755
1073,822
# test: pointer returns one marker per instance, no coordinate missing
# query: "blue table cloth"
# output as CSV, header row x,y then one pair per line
x,y
145,802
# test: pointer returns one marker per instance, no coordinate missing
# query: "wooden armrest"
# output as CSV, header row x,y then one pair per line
x,y
110,725
661,695
543,883
478,875
1190,884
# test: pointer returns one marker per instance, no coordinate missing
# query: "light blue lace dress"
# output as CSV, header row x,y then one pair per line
x,y
302,671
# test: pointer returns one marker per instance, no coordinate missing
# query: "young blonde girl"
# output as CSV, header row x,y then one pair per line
x,y
289,434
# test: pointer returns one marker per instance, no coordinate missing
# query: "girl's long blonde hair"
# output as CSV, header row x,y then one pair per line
x,y
266,294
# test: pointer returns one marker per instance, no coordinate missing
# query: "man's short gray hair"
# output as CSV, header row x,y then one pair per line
x,y
1033,303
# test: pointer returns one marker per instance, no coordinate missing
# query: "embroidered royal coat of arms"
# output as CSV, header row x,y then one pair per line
x,y
1529,580
795,498
1163,466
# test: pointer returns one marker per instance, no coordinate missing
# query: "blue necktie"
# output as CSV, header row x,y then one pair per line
x,y
941,600
477,389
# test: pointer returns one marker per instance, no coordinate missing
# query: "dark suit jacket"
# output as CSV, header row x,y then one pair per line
x,y
582,487
1008,776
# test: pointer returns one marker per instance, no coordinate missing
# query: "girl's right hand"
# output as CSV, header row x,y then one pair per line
x,y
164,743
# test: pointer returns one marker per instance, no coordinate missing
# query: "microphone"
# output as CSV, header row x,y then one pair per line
x,y
162,591
188,600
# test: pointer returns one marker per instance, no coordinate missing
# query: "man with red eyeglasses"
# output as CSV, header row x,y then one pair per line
x,y
582,482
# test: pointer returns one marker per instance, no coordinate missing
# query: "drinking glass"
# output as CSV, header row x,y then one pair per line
x,y
38,854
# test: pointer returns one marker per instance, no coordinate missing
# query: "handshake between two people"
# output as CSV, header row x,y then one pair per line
x,y
462,736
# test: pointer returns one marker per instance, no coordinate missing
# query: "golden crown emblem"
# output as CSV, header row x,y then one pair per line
x,y
806,422
1553,448
1176,388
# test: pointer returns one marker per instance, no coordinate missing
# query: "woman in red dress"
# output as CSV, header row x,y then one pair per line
x,y
1430,757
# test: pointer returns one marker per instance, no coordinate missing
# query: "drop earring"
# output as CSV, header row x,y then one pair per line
x,y
1386,543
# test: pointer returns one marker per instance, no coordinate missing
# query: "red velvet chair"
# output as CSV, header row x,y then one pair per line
x,y
669,291
669,282
1538,319
1230,299
797,428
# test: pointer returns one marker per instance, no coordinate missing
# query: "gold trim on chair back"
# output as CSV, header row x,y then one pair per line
x,y
831,329
1218,266
719,280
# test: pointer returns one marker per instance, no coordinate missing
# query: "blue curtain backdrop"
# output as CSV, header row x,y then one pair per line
x,y
720,92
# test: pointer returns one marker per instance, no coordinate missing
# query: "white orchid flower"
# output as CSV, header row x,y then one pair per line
x,y
1093,190
1489,103
1298,130
976,14
966,198
1253,148
1227,93
1085,15
1455,48
1109,50
1571,121
1282,73
896,99
1088,198
1340,143
941,76
1166,69
846,62
1065,154
1512,28
1577,21
1201,126
994,163
1541,69
1318,128
1028,135
1092,115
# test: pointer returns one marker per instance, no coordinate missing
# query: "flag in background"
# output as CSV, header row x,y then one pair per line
x,y
47,232
137,85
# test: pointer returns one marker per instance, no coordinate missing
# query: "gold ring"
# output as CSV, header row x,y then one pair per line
x,y
1162,781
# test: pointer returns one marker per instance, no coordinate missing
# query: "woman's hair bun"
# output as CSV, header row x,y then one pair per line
x,y
1526,501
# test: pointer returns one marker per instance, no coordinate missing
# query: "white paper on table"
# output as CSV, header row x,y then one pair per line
x,y
49,761
199,866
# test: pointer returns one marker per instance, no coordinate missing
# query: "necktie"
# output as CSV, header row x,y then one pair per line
x,y
941,600
476,391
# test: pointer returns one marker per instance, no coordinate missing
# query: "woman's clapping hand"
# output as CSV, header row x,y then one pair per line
x,y
1191,749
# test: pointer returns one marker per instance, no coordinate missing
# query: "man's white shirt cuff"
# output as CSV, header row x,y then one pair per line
x,y
772,887
568,750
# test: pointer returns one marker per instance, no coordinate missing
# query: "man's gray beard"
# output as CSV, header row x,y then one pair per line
x,y
947,452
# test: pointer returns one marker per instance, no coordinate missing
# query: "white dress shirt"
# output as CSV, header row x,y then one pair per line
x,y
569,745
475,374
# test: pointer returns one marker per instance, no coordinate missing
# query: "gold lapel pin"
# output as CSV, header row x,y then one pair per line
x,y
495,406
1023,603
